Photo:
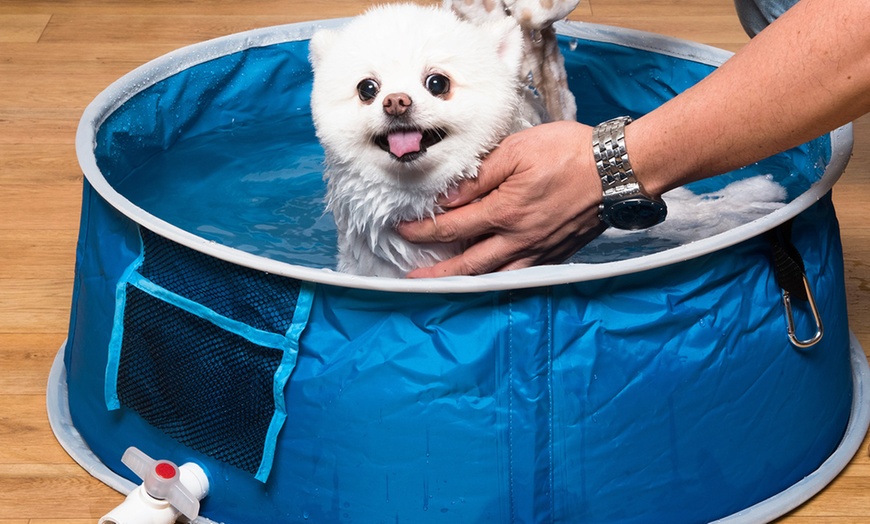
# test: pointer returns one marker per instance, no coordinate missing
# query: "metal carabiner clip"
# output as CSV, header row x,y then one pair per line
x,y
789,314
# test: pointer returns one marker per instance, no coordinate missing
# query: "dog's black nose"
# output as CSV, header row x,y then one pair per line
x,y
396,104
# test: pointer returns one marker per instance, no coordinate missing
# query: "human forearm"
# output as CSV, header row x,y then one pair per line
x,y
806,74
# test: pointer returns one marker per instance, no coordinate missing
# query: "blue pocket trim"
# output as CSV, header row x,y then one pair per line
x,y
117,338
282,376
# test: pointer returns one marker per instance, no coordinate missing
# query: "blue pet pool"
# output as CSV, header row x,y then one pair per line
x,y
208,326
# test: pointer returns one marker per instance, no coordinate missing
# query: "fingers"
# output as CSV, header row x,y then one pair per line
x,y
463,223
555,254
497,167
483,257
499,253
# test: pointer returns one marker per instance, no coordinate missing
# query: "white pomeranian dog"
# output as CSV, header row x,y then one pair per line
x,y
406,101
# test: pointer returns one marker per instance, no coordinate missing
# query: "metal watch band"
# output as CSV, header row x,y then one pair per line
x,y
611,156
624,204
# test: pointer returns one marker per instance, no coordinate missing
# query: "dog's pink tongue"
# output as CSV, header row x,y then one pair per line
x,y
404,142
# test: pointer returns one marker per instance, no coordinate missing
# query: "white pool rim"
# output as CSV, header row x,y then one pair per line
x,y
167,65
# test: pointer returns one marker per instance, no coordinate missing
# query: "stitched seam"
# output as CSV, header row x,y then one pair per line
x,y
550,413
511,501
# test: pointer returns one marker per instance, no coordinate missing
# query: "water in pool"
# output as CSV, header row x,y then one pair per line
x,y
258,187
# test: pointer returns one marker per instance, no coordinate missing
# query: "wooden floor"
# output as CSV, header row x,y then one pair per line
x,y
55,56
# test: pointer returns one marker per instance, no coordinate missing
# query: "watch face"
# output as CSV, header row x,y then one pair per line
x,y
635,213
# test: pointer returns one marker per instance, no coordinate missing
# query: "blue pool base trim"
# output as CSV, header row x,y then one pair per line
x,y
765,511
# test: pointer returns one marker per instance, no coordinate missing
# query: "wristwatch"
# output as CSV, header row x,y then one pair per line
x,y
624,204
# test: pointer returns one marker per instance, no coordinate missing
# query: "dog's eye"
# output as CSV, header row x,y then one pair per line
x,y
437,84
367,89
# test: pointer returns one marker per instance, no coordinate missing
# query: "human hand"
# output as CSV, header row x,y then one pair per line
x,y
538,194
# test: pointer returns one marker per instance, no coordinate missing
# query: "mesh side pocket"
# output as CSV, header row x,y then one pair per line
x,y
246,295
210,389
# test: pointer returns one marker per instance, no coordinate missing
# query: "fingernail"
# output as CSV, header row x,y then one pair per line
x,y
449,196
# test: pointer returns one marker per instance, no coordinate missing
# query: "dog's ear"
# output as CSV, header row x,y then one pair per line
x,y
320,44
509,37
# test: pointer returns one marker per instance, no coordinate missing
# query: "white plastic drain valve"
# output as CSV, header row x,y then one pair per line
x,y
167,491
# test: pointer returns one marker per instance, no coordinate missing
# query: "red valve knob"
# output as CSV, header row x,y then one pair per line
x,y
165,470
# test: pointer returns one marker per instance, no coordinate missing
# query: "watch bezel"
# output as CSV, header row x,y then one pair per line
x,y
623,214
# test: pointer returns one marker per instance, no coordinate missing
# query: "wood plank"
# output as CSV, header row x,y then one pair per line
x,y
49,206
40,126
34,306
47,255
851,194
53,491
36,164
22,28
797,519
307,10
711,22
699,10
25,433
57,521
25,361
49,107
717,31
179,30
